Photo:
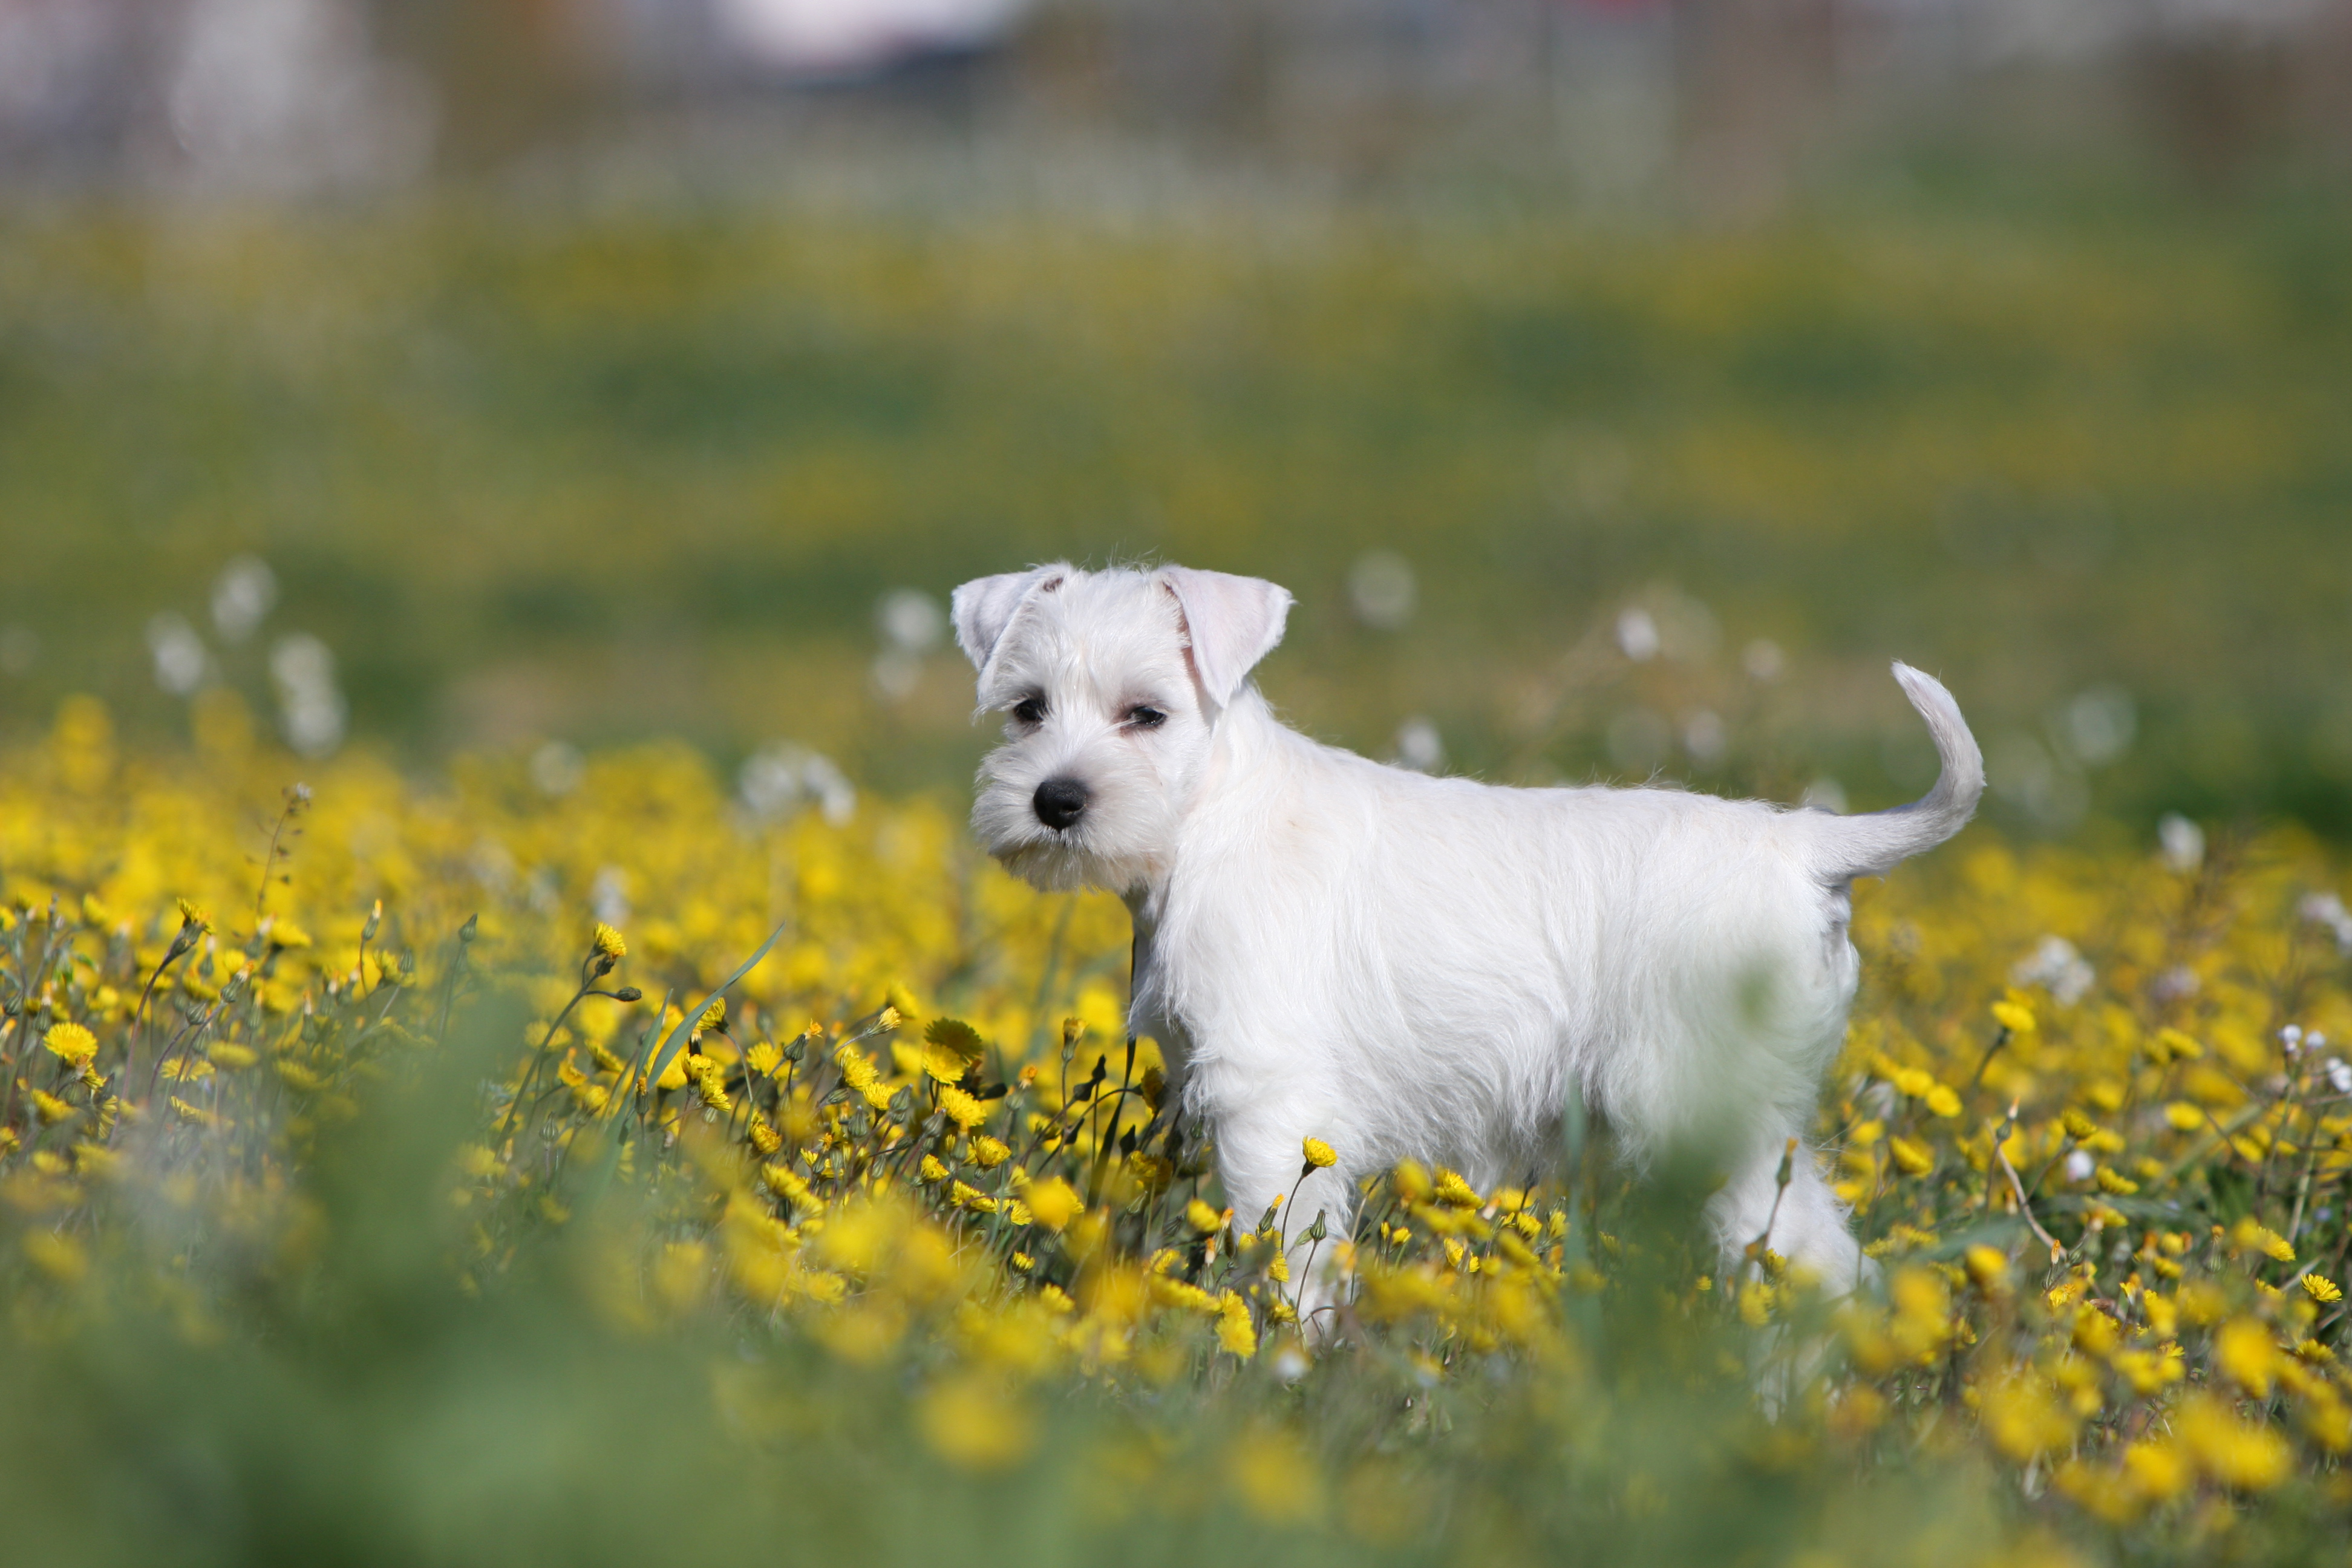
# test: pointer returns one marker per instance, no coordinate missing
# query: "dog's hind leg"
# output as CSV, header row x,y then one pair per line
x,y
1802,1221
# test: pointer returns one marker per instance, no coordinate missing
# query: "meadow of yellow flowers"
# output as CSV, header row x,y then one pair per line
x,y
444,1171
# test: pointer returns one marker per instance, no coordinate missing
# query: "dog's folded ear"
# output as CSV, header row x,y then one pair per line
x,y
984,607
1233,622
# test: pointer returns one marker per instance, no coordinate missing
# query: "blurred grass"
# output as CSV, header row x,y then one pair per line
x,y
535,473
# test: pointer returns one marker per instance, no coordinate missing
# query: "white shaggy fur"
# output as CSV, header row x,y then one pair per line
x,y
1419,967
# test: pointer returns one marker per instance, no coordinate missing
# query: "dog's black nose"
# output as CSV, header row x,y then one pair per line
x,y
1060,802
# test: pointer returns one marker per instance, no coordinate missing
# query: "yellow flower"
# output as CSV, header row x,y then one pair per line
x,y
2246,1458
972,1421
2024,1421
1943,1103
1452,1189
2253,1236
2156,1470
951,1049
2244,1352
2013,1017
2110,1182
61,1258
1320,1156
2183,1116
1236,1334
989,1152
1053,1202
608,943
931,1170
2078,1126
2321,1288
1203,1218
713,1019
969,1197
965,1110
71,1043
192,918
857,1070
1411,1182
1912,1158
49,1108
1989,1267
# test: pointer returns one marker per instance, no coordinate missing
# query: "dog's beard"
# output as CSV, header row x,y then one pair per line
x,y
1118,843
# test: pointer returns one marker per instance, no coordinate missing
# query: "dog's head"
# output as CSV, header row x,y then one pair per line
x,y
1111,684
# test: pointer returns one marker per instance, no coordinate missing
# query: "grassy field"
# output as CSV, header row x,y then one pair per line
x,y
457,1149
372,1203
533,474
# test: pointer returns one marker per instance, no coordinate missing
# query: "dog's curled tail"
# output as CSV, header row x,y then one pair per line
x,y
1871,845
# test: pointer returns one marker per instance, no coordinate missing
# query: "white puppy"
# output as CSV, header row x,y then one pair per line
x,y
1425,968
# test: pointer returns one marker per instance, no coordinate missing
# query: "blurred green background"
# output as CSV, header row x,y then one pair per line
x,y
582,426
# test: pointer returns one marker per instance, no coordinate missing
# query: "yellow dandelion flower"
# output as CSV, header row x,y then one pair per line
x,y
49,1108
763,1136
965,1110
2157,1470
2321,1288
284,933
1411,1182
951,1049
71,1043
231,1055
2237,1456
931,1170
2251,1236
989,1152
61,1258
1054,1203
1989,1267
1320,1156
969,1197
764,1059
2022,1419
2246,1354
2110,1182
192,918
2016,1019
2078,1126
1912,1158
1203,1218
714,1018
1943,1103
1236,1334
1452,1189
607,943
2183,1116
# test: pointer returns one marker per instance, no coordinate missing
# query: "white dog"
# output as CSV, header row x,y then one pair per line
x,y
1425,968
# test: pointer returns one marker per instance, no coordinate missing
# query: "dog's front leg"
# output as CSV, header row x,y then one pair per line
x,y
1262,1160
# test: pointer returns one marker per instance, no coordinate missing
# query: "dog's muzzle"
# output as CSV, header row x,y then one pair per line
x,y
1060,802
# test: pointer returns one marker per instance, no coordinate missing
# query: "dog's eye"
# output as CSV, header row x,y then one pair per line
x,y
1146,717
1030,710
